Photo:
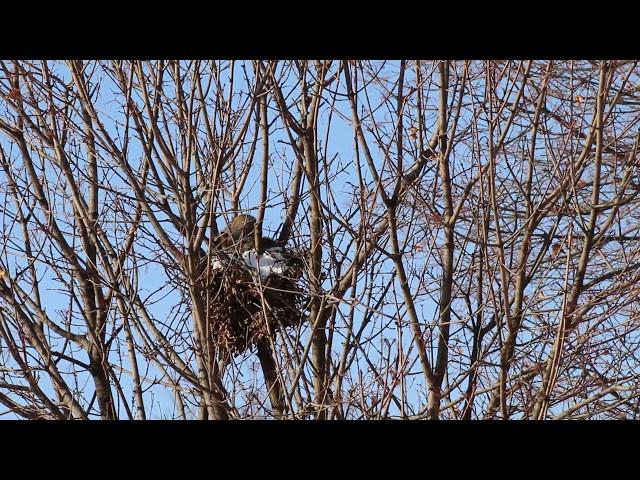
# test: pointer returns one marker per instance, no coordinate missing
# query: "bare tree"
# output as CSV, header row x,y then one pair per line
x,y
465,239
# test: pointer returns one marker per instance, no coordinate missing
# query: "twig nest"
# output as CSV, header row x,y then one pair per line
x,y
250,296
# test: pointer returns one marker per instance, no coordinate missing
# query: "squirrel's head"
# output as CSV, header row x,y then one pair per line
x,y
241,226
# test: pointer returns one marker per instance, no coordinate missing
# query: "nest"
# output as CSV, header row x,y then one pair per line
x,y
245,306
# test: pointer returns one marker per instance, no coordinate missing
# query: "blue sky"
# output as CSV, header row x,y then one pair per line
x,y
152,278
339,189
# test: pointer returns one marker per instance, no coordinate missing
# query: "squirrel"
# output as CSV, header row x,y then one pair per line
x,y
240,233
